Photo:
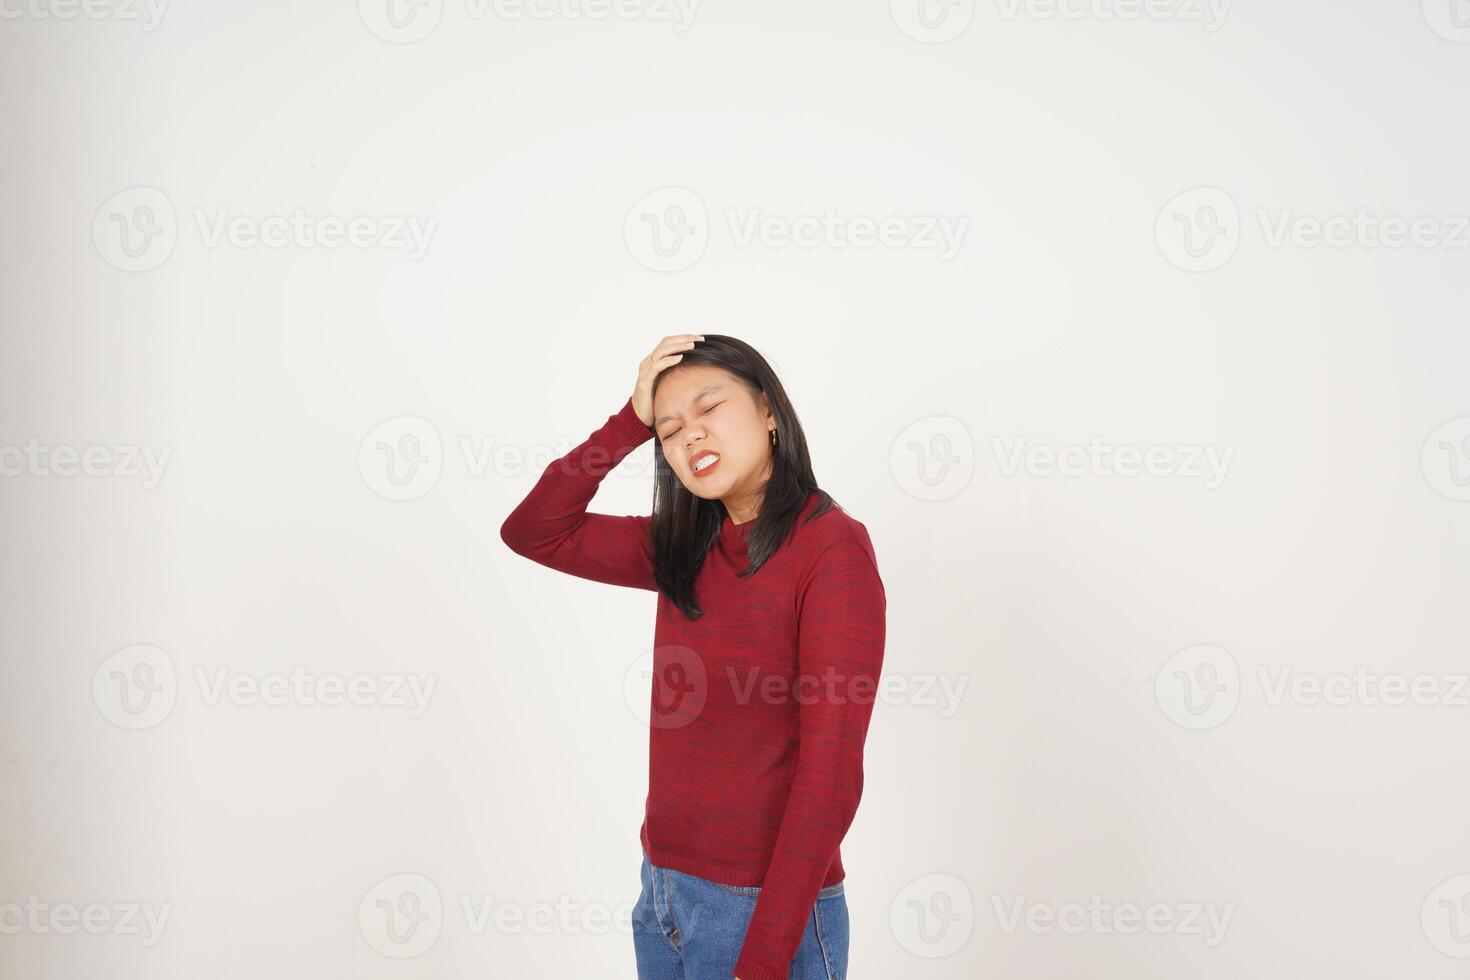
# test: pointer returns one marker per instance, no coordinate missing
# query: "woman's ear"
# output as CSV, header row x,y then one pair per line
x,y
763,402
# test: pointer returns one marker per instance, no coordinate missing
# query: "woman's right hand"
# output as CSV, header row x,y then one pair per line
x,y
670,351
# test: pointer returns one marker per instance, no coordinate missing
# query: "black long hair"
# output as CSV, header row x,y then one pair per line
x,y
685,527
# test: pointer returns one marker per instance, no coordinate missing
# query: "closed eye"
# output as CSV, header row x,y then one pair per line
x,y
671,435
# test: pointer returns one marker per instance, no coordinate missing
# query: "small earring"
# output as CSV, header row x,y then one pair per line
x,y
773,437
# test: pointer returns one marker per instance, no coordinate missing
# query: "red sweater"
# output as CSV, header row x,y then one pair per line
x,y
759,709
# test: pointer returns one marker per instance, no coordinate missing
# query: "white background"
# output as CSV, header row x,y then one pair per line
x,y
1072,611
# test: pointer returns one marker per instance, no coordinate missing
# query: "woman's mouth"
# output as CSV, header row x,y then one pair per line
x,y
704,462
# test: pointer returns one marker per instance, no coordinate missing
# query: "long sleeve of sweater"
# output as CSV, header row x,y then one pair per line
x,y
553,527
841,626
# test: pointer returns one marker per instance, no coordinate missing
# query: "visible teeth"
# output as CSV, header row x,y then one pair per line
x,y
705,462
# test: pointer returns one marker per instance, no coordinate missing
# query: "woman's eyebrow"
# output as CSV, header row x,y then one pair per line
x,y
712,388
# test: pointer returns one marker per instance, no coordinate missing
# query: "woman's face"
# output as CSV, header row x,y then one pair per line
x,y
702,412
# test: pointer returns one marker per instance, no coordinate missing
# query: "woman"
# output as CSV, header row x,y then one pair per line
x,y
768,644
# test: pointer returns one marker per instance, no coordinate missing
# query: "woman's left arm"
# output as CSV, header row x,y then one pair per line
x,y
841,626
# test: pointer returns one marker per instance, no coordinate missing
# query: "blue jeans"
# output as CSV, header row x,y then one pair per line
x,y
689,928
